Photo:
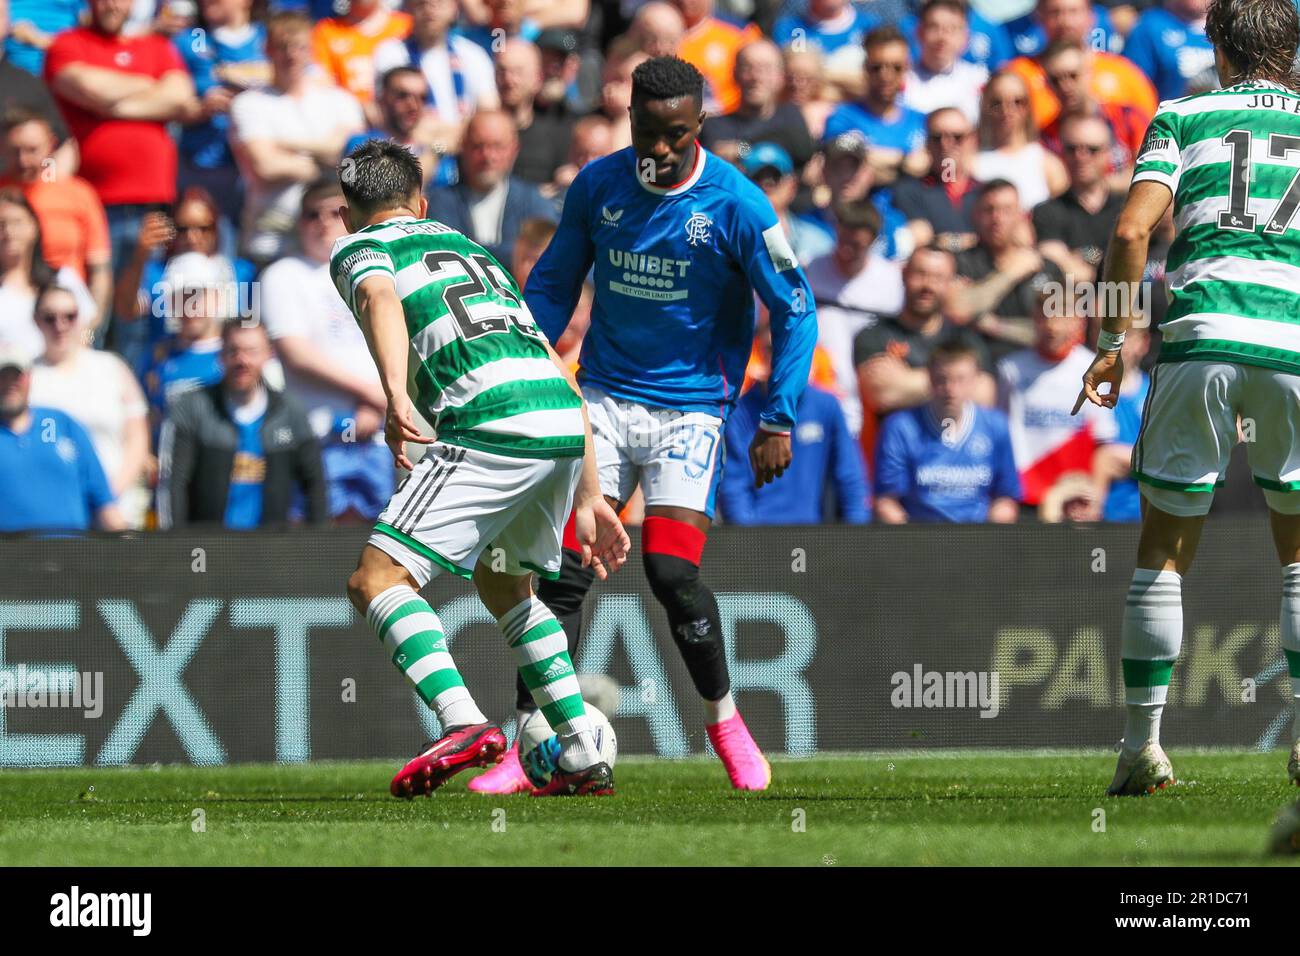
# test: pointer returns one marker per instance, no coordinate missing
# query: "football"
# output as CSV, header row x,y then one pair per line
x,y
539,748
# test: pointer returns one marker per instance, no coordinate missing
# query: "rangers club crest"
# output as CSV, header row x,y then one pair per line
x,y
697,228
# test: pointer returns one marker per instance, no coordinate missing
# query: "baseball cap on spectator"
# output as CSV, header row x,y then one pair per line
x,y
763,156
851,143
558,39
194,270
11,356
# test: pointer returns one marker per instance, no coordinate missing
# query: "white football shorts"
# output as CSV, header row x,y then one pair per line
x,y
675,456
1189,427
459,503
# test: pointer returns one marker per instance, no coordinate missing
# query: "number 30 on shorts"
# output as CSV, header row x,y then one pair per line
x,y
694,445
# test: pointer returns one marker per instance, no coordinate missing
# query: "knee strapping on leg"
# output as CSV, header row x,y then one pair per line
x,y
672,550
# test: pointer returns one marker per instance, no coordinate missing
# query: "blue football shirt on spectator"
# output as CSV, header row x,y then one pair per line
x,y
247,475
823,39
176,371
824,453
1169,50
905,132
1030,39
206,54
1124,503
48,16
51,476
947,473
154,291
989,44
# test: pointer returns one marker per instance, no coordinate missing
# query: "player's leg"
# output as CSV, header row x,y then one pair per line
x,y
565,595
440,519
679,480
1179,457
1286,537
531,543
1272,411
384,592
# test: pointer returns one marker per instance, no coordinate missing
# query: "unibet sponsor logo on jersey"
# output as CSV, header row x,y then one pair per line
x,y
648,277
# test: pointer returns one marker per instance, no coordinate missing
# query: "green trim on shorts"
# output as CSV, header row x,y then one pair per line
x,y
549,575
1272,485
421,549
1205,486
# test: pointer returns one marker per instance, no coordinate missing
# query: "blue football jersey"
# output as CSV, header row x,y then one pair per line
x,y
949,471
1170,51
675,272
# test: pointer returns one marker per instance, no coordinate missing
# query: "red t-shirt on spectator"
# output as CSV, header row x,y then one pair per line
x,y
127,161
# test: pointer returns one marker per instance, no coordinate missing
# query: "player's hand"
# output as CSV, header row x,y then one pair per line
x,y
769,456
400,428
604,541
1106,367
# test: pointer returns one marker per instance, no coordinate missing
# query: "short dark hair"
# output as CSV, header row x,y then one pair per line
x,y
238,324
397,71
666,78
1259,38
952,350
19,115
858,214
882,35
325,185
536,232
379,174
992,186
956,6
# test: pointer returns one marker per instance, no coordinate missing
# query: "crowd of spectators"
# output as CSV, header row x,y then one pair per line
x,y
173,352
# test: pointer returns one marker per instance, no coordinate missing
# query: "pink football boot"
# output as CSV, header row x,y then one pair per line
x,y
506,777
745,763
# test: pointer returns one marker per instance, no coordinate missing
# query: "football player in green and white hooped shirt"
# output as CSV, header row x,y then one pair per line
x,y
1229,161
450,333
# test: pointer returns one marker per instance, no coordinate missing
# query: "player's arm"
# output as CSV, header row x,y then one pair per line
x,y
1157,170
604,541
379,311
783,288
1126,259
555,282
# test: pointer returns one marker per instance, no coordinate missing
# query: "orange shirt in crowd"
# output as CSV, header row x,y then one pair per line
x,y
346,51
822,373
74,229
1112,79
711,47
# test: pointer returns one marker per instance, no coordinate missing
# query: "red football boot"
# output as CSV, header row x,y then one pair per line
x,y
471,745
596,781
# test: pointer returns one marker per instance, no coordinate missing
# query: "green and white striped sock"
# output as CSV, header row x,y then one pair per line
x,y
542,654
1291,637
412,636
1151,639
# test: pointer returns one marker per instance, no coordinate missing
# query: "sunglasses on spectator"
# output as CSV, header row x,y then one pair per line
x,y
203,227
53,318
893,67
1090,148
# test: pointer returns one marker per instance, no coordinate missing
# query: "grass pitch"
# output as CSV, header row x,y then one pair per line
x,y
913,808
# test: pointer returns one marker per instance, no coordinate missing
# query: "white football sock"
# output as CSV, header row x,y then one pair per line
x,y
1151,639
716,711
1290,626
